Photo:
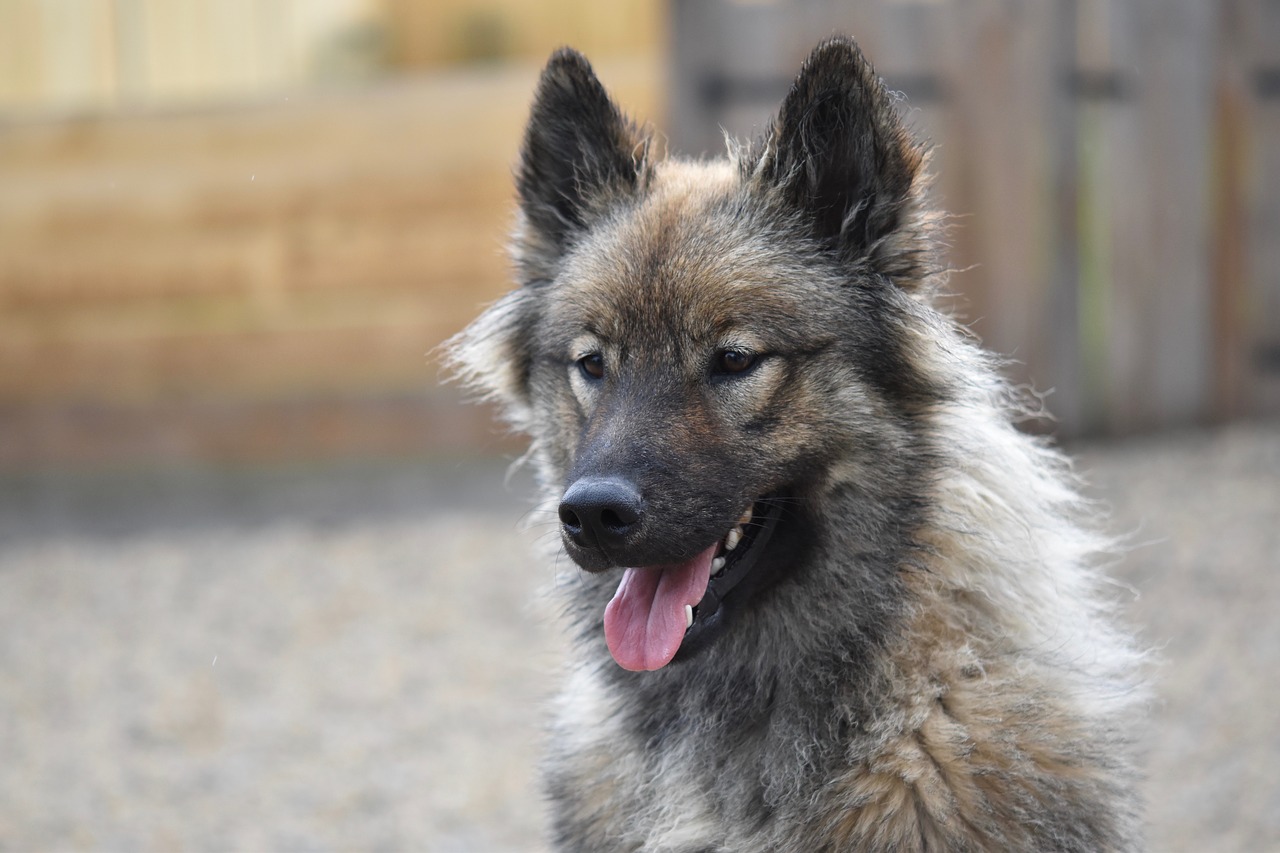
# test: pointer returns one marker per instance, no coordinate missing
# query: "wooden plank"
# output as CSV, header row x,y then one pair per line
x,y
441,32
1178,44
1258,46
1164,247
1105,84
84,434
316,248
712,92
1110,151
1062,309
226,366
1147,154
56,52
1005,117
1231,333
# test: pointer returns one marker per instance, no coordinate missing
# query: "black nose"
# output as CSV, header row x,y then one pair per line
x,y
600,511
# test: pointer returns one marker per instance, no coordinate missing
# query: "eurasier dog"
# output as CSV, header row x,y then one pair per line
x,y
830,597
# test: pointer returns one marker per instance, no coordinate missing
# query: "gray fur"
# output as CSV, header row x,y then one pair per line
x,y
925,661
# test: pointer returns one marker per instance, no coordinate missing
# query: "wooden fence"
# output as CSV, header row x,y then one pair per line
x,y
265,280
77,54
261,281
1114,164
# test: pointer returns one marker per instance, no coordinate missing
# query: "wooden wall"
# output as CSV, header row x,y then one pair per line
x,y
94,54
1114,166
260,281
265,278
78,54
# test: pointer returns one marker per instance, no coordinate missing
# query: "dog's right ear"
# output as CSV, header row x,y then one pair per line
x,y
579,155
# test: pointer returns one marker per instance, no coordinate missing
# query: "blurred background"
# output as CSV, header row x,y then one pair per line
x,y
264,580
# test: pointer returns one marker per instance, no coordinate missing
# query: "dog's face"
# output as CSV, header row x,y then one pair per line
x,y
678,362
694,346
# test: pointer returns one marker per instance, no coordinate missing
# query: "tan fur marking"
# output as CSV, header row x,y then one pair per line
x,y
961,768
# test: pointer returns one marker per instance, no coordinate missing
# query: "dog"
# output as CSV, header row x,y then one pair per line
x,y
830,597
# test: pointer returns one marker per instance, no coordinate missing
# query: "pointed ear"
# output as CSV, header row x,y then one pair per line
x,y
839,152
579,154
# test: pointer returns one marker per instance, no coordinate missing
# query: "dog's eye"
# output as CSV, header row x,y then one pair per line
x,y
734,361
592,365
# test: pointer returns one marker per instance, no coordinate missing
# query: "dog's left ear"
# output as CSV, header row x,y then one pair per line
x,y
839,152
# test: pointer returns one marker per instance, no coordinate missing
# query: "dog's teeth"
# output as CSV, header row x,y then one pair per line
x,y
732,538
688,616
717,564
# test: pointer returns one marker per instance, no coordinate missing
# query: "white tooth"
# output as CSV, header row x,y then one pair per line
x,y
688,615
717,564
732,538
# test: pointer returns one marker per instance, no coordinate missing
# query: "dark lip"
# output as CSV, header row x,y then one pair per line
x,y
709,613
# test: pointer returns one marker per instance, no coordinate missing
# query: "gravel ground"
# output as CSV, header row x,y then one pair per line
x,y
358,656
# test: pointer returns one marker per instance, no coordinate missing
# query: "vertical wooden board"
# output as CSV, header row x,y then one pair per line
x,y
56,53
1004,94
1114,220
1106,143
1259,44
1155,146
1175,39
909,44
733,62
1061,310
1230,215
129,41
726,71
913,46
19,54
693,24
907,41
77,67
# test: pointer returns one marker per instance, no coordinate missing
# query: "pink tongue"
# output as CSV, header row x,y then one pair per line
x,y
645,622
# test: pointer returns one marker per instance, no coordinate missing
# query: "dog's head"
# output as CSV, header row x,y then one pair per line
x,y
699,349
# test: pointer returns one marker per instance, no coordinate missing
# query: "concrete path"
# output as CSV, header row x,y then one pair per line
x,y
359,657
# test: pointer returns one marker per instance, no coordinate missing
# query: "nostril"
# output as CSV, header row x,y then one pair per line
x,y
611,520
570,519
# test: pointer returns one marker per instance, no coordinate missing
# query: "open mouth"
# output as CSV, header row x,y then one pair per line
x,y
658,608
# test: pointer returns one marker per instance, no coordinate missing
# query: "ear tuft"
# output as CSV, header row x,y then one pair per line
x,y
838,150
491,356
579,153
